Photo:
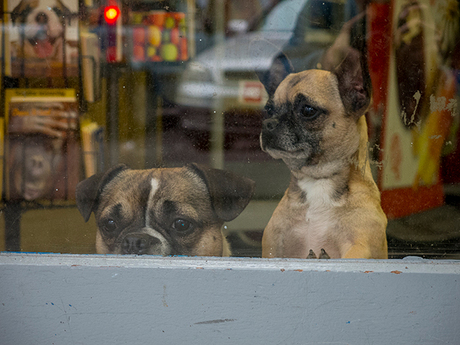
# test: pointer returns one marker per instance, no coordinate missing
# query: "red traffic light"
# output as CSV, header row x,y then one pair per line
x,y
111,14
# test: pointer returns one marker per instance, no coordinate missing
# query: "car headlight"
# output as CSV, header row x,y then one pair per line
x,y
196,87
196,72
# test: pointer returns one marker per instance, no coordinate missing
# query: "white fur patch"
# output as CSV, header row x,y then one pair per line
x,y
165,247
319,192
154,187
319,214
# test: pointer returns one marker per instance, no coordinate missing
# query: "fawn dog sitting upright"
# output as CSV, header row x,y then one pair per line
x,y
315,124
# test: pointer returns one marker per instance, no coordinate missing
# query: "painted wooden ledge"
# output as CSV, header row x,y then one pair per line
x,y
89,299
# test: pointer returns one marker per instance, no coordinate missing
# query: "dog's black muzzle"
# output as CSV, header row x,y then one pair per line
x,y
269,135
269,125
139,244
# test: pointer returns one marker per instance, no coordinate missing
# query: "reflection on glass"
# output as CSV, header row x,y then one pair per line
x,y
169,83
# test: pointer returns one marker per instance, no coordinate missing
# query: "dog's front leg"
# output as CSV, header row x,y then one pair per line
x,y
357,251
269,244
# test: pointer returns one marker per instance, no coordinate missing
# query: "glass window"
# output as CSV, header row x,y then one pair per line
x,y
333,125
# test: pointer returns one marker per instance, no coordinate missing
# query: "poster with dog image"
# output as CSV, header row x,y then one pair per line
x,y
43,148
42,38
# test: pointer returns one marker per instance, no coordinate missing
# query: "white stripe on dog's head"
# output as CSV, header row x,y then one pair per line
x,y
165,246
154,187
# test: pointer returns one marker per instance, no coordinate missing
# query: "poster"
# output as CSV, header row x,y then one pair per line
x,y
42,38
43,147
415,98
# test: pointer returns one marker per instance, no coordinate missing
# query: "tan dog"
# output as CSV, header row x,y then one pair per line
x,y
170,211
316,126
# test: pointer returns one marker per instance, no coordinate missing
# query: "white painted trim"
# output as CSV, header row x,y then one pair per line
x,y
407,265
109,299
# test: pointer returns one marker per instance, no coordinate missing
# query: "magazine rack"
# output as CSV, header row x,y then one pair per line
x,y
53,64
72,64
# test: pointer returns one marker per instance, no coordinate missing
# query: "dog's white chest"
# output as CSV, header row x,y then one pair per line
x,y
320,214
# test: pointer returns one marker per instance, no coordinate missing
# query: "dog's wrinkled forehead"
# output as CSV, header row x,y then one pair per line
x,y
42,4
318,85
136,190
51,11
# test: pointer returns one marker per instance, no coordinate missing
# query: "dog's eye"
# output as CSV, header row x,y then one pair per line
x,y
182,225
309,112
57,11
110,225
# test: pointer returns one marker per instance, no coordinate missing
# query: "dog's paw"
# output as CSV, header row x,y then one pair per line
x,y
311,255
324,255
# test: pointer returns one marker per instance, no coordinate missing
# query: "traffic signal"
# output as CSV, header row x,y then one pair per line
x,y
111,14
113,32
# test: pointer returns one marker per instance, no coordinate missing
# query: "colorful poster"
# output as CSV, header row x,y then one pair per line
x,y
42,38
417,102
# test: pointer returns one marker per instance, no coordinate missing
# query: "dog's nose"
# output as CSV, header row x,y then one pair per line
x,y
41,18
138,244
37,162
270,124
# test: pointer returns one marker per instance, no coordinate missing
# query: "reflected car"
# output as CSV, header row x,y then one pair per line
x,y
223,79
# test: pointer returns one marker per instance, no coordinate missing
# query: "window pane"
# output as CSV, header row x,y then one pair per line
x,y
359,156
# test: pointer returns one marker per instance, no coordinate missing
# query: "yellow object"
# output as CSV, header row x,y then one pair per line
x,y
430,141
151,51
169,52
154,35
169,23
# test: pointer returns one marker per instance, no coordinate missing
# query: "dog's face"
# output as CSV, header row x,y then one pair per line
x,y
43,22
307,122
175,211
312,116
33,167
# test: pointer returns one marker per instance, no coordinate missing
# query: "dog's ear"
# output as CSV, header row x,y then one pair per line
x,y
355,84
19,10
88,191
279,70
230,193
65,12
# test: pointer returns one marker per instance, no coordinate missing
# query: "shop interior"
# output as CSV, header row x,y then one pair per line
x,y
165,83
